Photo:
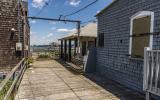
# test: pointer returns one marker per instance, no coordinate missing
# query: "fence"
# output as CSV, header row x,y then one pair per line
x,y
151,79
9,86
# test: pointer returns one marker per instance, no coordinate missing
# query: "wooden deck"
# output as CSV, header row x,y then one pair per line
x,y
49,80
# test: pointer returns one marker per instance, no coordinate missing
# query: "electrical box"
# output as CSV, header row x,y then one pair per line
x,y
26,47
18,46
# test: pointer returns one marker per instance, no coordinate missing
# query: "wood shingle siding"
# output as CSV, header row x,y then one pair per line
x,y
113,60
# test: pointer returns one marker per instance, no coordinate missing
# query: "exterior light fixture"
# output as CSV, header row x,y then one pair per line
x,y
12,33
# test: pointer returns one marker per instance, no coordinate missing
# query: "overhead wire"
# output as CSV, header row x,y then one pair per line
x,y
44,7
81,9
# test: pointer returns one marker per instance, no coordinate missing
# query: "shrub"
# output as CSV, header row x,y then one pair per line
x,y
30,60
43,56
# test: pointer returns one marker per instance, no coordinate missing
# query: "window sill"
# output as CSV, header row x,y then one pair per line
x,y
132,58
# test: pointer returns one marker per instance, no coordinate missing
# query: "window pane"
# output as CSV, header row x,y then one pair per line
x,y
140,26
101,39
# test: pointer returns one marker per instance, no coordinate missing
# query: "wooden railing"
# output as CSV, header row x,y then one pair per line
x,y
151,78
9,86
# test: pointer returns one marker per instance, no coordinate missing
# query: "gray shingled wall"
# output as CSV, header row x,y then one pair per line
x,y
8,20
112,59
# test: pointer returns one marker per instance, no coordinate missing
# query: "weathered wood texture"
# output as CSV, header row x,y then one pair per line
x,y
8,20
112,59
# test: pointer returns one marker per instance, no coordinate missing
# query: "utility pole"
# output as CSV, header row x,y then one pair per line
x,y
78,31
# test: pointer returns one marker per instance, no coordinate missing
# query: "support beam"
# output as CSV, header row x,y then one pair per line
x,y
65,50
42,18
69,51
75,46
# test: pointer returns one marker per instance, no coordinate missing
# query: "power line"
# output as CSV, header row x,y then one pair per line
x,y
81,9
44,7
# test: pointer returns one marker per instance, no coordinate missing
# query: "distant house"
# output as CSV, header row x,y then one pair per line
x,y
125,28
87,39
54,46
10,55
40,48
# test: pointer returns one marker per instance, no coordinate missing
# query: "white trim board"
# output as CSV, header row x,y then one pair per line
x,y
138,15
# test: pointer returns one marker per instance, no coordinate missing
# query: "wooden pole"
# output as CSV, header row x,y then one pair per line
x,y
78,31
70,50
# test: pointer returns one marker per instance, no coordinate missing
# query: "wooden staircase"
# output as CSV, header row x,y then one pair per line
x,y
77,64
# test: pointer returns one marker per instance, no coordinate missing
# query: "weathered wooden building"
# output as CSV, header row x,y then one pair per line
x,y
10,34
125,28
87,39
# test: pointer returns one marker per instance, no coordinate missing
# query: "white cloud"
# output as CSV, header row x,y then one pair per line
x,y
32,33
33,21
42,40
66,30
38,3
74,3
49,35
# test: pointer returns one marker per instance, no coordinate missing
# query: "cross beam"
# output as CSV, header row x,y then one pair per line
x,y
52,19
72,21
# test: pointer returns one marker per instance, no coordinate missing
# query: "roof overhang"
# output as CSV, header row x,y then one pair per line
x,y
75,37
106,7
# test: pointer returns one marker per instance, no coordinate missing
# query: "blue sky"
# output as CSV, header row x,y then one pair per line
x,y
45,32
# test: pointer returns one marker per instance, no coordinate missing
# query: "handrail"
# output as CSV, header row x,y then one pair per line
x,y
2,84
14,76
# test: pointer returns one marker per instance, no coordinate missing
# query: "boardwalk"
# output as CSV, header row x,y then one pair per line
x,y
49,80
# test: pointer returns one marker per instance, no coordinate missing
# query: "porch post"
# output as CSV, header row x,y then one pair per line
x,y
69,52
65,50
75,45
61,49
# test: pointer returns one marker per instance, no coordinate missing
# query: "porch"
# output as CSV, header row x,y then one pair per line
x,y
74,47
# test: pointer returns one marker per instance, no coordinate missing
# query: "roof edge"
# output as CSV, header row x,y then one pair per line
x,y
106,7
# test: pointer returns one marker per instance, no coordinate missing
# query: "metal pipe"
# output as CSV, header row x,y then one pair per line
x,y
18,20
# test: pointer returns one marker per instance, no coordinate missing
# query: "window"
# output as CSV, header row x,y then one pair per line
x,y
26,13
141,23
101,40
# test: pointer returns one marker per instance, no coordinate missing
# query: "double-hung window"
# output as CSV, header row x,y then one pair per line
x,y
141,27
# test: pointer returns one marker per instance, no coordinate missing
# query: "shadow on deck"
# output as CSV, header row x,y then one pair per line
x,y
68,67
115,88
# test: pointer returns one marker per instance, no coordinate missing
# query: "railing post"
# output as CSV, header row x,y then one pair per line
x,y
145,73
145,70
148,96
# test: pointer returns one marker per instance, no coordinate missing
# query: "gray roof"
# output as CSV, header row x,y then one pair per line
x,y
90,30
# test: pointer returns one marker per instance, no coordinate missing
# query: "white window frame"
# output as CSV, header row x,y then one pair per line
x,y
138,15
